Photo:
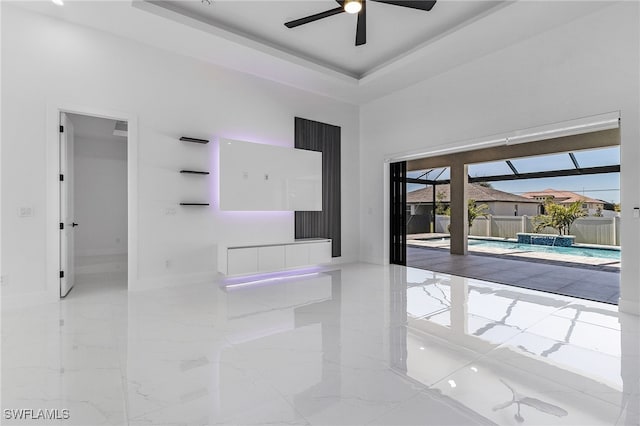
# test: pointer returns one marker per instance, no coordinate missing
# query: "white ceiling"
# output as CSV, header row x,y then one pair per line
x,y
194,36
392,31
85,126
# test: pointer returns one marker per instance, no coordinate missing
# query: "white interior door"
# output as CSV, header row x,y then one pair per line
x,y
67,217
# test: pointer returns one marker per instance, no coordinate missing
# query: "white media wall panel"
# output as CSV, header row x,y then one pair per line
x,y
260,177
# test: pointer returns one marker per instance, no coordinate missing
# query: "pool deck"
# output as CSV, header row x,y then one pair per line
x,y
593,282
602,264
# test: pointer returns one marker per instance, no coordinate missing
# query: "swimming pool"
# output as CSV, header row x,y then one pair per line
x,y
575,251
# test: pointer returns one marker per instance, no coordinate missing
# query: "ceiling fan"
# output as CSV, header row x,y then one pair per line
x,y
360,7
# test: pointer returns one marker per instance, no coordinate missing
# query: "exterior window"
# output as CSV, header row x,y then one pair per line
x,y
584,206
515,210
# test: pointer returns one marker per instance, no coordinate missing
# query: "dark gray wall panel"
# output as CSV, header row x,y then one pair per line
x,y
325,138
398,216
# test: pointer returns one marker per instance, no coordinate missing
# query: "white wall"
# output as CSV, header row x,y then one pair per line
x,y
586,67
49,62
100,196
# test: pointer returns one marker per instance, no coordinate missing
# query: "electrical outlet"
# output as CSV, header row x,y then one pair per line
x,y
169,211
245,175
167,264
25,212
4,281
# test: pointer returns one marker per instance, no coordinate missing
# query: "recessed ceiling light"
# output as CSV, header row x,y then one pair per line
x,y
353,6
58,2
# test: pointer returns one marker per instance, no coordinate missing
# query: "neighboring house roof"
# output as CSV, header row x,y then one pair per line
x,y
562,197
474,191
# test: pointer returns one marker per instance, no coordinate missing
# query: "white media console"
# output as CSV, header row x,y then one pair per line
x,y
252,259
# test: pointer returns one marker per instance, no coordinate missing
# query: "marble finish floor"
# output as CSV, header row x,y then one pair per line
x,y
354,345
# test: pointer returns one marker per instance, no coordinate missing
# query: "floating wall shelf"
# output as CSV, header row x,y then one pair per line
x,y
194,172
194,204
194,140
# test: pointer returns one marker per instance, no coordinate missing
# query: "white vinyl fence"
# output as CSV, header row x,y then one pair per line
x,y
587,230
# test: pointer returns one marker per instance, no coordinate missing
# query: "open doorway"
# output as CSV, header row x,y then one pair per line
x,y
506,220
93,202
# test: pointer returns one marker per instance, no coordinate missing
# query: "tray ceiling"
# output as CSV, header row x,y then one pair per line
x,y
392,31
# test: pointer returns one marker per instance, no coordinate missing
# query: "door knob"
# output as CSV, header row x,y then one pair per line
x,y
74,224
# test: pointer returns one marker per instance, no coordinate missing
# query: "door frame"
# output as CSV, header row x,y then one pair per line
x,y
53,190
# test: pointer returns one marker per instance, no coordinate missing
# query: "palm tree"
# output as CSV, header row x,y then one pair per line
x,y
559,217
473,212
476,210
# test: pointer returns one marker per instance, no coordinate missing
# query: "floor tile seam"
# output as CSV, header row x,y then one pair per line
x,y
123,379
416,396
149,412
594,293
253,374
588,288
580,392
518,285
549,291
550,262
527,329
268,382
476,358
587,322
569,389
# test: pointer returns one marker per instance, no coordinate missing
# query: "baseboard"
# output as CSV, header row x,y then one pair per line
x,y
173,281
629,306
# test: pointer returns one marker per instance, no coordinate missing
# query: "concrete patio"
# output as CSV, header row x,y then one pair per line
x,y
583,281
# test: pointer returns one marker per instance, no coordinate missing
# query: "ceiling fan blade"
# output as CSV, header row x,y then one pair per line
x,y
413,4
361,29
312,18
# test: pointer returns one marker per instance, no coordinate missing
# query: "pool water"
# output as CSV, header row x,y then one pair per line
x,y
575,251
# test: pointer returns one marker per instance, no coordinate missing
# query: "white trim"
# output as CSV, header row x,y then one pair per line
x,y
53,191
386,215
449,149
593,123
631,307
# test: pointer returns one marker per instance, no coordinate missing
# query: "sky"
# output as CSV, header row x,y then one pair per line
x,y
603,186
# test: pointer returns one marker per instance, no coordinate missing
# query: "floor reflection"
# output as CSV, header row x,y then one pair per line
x,y
355,344
558,360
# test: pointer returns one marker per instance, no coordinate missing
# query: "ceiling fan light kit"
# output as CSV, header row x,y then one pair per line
x,y
359,7
352,6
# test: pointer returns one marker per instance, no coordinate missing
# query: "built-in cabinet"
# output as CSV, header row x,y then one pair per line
x,y
252,259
